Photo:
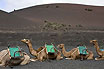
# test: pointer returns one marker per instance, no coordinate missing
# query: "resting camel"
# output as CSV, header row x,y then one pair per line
x,y
5,59
40,53
74,54
99,52
32,51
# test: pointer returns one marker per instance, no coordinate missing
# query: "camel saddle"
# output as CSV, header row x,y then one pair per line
x,y
50,48
82,50
15,52
16,55
101,49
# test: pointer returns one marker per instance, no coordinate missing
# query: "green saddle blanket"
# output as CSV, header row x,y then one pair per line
x,y
50,48
82,50
101,49
15,51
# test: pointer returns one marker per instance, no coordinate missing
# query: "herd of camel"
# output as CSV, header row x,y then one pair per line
x,y
41,54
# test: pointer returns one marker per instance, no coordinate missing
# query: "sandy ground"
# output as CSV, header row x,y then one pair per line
x,y
70,40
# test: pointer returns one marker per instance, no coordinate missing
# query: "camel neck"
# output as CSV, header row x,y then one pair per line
x,y
64,51
97,48
30,47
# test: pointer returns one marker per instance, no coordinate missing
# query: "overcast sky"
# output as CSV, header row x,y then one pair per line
x,y
10,5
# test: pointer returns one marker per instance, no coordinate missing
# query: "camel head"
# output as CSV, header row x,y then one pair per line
x,y
25,41
60,46
93,42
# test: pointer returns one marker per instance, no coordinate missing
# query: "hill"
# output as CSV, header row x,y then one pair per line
x,y
69,14
9,22
53,17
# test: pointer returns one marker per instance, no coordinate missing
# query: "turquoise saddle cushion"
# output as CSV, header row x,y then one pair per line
x,y
14,51
50,48
82,50
101,49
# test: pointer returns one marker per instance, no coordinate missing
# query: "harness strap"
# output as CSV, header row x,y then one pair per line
x,y
40,51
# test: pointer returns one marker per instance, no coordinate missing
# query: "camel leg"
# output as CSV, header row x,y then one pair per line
x,y
42,55
33,59
4,57
90,57
72,57
1,65
41,58
81,57
59,56
69,58
26,59
98,58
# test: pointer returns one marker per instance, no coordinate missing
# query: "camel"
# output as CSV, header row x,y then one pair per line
x,y
74,54
99,52
40,53
5,59
32,51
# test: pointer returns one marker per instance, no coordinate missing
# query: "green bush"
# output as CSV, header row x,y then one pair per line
x,y
55,26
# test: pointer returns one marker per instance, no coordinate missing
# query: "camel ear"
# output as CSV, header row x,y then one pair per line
x,y
45,43
24,39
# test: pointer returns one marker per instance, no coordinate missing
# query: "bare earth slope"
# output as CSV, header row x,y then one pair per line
x,y
33,18
9,22
73,14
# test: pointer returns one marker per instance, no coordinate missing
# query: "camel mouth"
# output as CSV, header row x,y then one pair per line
x,y
58,46
91,41
23,40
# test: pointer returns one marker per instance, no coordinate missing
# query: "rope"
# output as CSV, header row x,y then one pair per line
x,y
41,51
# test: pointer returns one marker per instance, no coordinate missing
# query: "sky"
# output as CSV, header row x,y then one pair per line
x,y
10,5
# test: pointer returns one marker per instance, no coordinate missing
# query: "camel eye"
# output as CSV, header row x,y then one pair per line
x,y
26,40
